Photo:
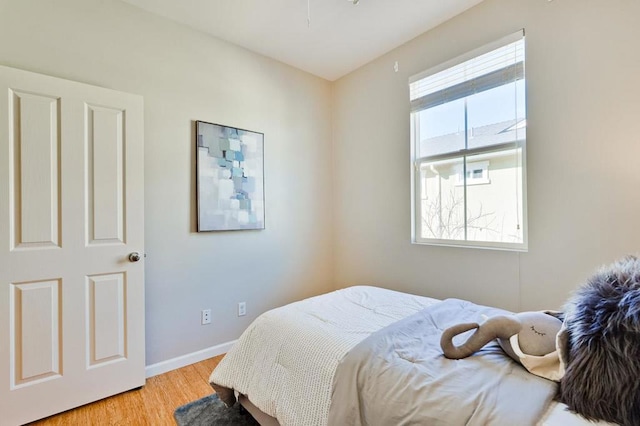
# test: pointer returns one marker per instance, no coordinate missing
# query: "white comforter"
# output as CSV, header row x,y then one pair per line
x,y
286,359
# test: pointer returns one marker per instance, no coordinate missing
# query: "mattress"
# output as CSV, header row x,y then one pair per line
x,y
286,360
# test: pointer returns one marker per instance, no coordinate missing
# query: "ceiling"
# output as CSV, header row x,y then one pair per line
x,y
340,36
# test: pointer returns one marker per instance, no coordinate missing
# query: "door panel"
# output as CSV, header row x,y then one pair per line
x,y
35,332
106,318
34,143
105,148
71,211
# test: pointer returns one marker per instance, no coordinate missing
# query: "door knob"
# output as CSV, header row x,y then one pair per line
x,y
134,257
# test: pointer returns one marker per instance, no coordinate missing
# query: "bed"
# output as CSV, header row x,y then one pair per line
x,y
299,365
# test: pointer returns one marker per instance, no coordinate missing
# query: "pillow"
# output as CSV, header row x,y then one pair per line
x,y
602,378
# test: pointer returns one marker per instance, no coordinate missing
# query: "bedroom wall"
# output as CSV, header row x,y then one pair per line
x,y
185,75
582,75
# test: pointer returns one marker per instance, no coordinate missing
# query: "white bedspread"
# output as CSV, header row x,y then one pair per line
x,y
286,359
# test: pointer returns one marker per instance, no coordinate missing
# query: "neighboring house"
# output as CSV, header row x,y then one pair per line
x,y
494,206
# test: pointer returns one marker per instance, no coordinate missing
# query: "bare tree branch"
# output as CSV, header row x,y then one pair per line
x,y
446,221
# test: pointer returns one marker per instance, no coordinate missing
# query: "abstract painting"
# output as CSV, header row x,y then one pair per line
x,y
230,178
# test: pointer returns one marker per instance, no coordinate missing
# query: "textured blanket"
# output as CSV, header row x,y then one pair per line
x,y
285,361
399,376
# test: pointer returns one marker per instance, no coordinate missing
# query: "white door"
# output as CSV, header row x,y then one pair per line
x,y
71,212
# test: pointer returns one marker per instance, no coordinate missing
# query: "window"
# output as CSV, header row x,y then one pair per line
x,y
468,140
477,173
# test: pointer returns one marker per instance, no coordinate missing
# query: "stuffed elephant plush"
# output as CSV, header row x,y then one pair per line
x,y
528,337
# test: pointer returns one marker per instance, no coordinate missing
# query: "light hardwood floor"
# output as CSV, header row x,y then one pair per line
x,y
151,405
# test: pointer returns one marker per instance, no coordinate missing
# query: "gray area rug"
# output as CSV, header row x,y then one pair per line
x,y
210,411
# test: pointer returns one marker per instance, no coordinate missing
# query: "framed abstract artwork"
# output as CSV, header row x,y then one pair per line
x,y
229,178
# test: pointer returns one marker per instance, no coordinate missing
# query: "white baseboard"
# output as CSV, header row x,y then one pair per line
x,y
188,359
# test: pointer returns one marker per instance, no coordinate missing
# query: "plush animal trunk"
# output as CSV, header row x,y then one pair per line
x,y
452,351
603,321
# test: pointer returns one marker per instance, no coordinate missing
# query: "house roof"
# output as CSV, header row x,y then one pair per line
x,y
492,134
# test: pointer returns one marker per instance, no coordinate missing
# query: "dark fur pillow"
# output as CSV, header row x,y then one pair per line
x,y
602,380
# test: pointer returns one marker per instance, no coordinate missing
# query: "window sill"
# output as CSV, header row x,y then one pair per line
x,y
519,248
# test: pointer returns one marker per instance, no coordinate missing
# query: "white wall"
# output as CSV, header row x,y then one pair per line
x,y
583,66
185,75
583,181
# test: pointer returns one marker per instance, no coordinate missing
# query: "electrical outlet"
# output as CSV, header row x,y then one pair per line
x,y
242,309
206,316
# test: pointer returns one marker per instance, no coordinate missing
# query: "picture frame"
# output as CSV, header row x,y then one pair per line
x,y
229,178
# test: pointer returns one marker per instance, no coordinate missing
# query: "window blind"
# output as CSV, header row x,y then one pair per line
x,y
483,72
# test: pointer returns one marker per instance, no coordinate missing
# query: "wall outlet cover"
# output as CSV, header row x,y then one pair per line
x,y
206,316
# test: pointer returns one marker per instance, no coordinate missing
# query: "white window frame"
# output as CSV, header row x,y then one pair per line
x,y
416,162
